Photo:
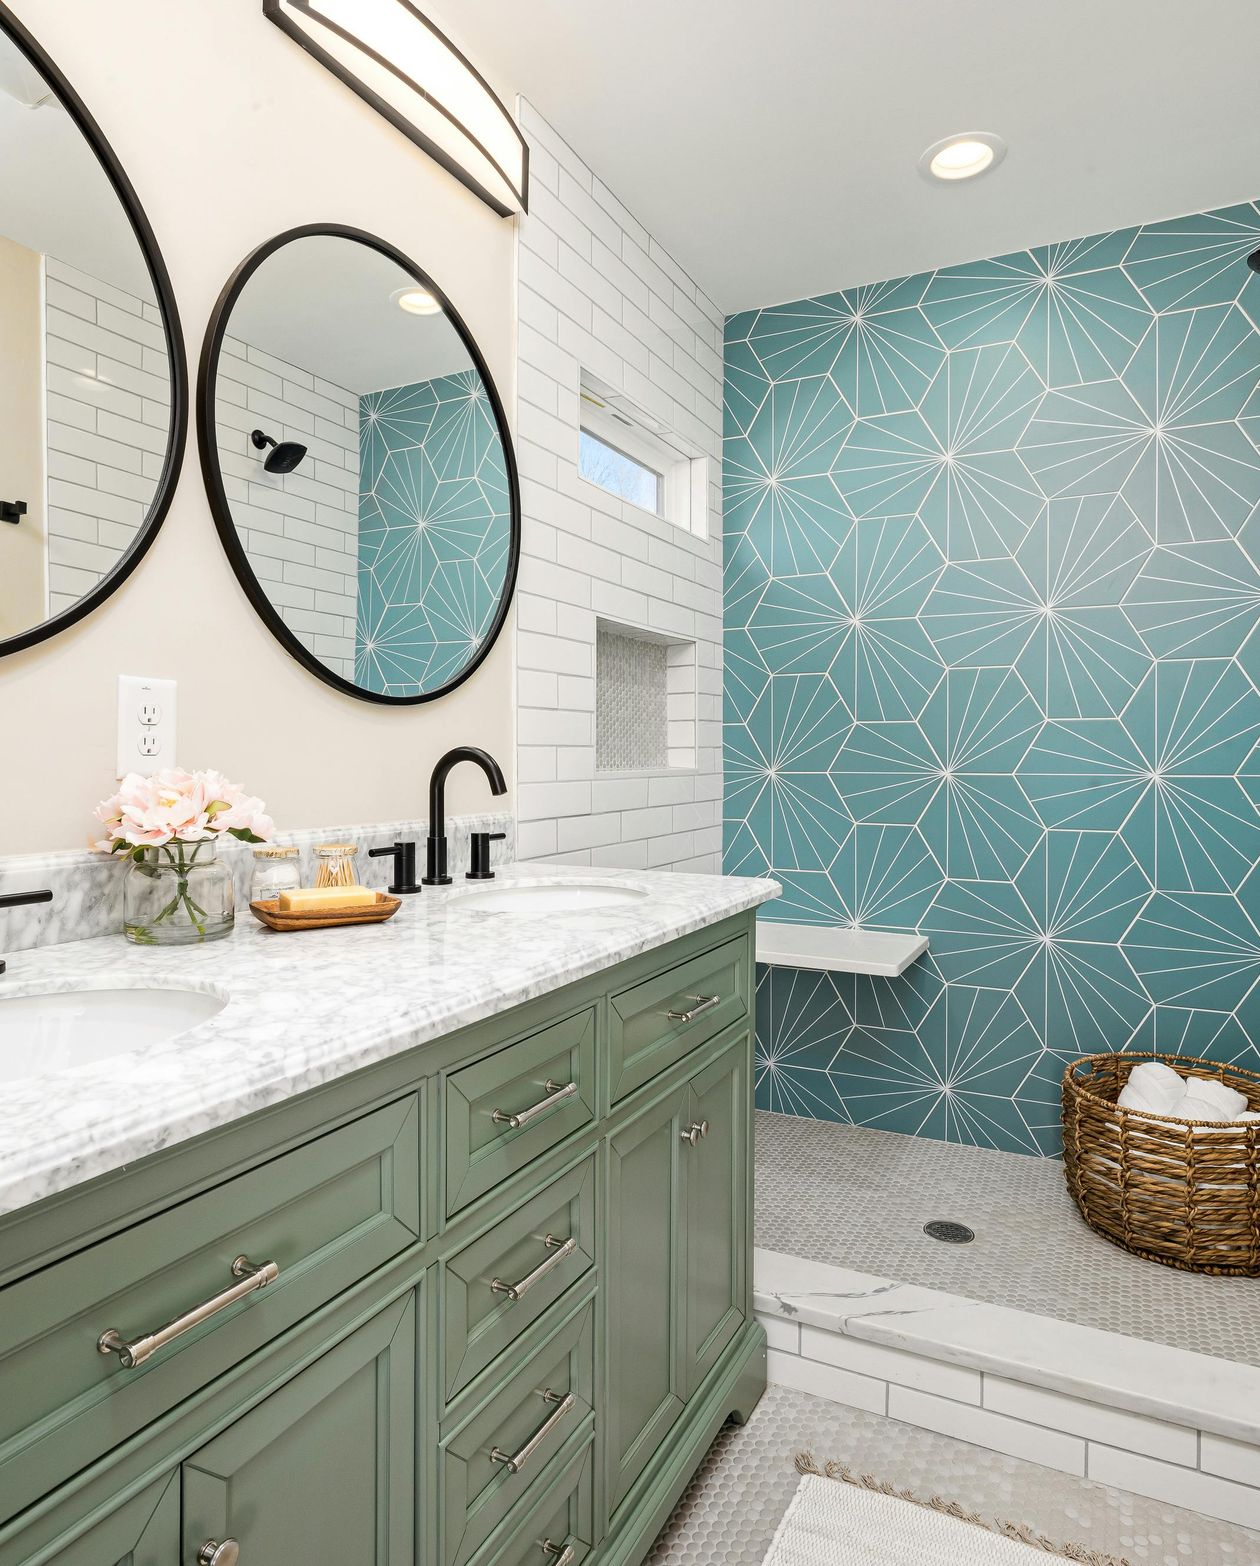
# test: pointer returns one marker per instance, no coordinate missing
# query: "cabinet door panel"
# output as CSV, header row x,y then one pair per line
x,y
324,1470
716,1176
645,1383
143,1531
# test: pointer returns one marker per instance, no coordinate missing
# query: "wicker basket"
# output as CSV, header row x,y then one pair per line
x,y
1185,1193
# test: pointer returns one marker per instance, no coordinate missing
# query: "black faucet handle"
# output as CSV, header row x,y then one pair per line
x,y
404,856
479,855
22,899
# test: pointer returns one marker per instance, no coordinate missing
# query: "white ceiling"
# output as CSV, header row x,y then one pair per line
x,y
324,304
771,145
54,196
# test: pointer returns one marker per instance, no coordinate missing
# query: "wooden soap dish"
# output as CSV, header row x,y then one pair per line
x,y
268,913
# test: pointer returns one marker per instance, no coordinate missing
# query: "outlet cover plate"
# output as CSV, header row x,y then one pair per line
x,y
146,724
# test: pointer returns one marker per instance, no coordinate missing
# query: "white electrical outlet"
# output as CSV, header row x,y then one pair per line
x,y
146,724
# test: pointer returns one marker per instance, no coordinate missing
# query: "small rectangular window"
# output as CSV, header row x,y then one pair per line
x,y
619,473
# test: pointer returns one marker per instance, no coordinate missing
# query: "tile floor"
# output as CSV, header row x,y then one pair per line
x,y
729,1513
859,1198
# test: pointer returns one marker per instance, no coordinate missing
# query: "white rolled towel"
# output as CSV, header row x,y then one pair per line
x,y
1156,1089
1208,1090
1153,1087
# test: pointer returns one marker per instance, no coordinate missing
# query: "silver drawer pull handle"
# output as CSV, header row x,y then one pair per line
x,y
562,1555
515,1461
702,1004
559,1250
136,1352
557,1092
696,1132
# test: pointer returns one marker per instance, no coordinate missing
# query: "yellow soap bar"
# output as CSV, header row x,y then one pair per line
x,y
326,899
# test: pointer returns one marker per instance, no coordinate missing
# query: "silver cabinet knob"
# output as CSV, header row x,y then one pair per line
x,y
212,1553
696,1132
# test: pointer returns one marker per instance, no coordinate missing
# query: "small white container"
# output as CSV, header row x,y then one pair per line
x,y
276,869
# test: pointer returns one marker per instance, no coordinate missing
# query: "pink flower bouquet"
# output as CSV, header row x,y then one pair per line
x,y
168,827
179,807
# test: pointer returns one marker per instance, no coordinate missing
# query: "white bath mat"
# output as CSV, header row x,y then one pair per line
x,y
834,1523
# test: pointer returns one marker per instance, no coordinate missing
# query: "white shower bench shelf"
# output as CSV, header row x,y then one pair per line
x,y
838,950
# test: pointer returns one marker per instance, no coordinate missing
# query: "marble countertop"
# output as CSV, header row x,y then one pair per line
x,y
303,1009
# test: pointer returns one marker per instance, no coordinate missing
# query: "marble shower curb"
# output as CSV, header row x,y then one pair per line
x,y
1157,1420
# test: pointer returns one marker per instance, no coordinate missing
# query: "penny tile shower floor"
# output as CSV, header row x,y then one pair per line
x,y
730,1511
859,1198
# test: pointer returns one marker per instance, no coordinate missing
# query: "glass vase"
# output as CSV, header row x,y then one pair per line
x,y
177,895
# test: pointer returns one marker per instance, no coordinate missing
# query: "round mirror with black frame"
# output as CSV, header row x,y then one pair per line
x,y
359,465
94,397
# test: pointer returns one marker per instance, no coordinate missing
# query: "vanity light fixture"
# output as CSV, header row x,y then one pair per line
x,y
396,60
962,157
416,301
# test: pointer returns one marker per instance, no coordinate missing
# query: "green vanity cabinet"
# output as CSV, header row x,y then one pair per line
x,y
511,1302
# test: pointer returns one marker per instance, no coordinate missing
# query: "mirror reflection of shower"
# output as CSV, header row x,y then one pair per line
x,y
284,456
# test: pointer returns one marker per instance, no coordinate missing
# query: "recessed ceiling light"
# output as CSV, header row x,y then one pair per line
x,y
962,157
416,301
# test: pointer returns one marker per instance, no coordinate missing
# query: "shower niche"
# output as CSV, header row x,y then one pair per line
x,y
645,700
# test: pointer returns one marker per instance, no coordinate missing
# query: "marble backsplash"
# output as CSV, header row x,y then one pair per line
x,y
87,887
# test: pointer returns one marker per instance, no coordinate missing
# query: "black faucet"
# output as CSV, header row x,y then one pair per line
x,y
435,853
20,900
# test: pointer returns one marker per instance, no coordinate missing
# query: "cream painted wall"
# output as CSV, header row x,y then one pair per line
x,y
230,133
23,549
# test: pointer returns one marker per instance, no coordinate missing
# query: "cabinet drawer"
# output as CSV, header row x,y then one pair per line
x,y
562,1515
546,1082
528,1421
326,1214
654,1024
507,1276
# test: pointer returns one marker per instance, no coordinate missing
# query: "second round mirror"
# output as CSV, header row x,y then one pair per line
x,y
359,465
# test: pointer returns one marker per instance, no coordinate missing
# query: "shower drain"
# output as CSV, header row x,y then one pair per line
x,y
951,1233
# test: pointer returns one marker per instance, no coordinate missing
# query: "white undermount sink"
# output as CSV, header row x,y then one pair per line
x,y
548,897
51,1030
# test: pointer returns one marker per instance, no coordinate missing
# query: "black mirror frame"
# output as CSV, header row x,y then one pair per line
x,y
178,430
221,507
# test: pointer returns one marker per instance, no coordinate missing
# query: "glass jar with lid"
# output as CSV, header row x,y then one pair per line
x,y
334,864
277,869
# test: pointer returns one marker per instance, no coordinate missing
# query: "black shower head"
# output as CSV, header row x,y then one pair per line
x,y
284,455
1253,260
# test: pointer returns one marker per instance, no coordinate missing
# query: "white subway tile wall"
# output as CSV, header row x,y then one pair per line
x,y
596,293
108,419
300,530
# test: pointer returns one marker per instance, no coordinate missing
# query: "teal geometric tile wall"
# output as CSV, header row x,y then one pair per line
x,y
991,604
434,531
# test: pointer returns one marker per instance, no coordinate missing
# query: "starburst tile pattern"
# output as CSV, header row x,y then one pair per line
x,y
434,532
993,669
